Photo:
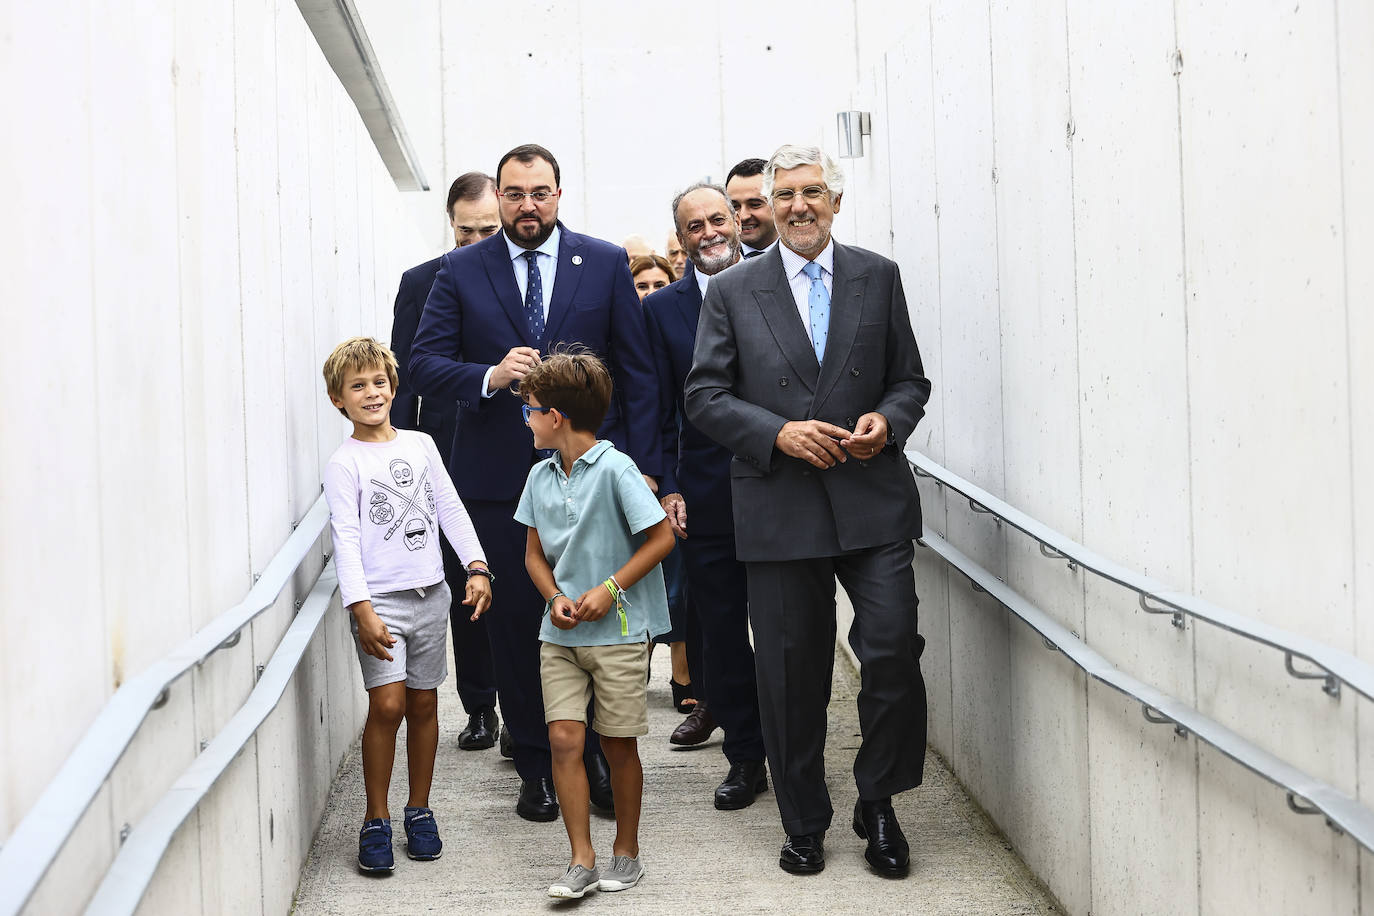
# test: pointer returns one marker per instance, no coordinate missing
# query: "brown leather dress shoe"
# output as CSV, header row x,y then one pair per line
x,y
695,729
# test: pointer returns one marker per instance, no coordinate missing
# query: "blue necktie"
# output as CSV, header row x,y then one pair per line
x,y
534,298
819,302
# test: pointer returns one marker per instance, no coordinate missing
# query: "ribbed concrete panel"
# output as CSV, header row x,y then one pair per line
x,y
971,386
1355,23
139,390
50,459
675,112
1270,427
1048,812
260,277
1133,370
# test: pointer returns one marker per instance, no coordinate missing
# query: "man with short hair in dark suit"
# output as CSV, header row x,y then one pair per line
x,y
473,215
696,486
807,370
495,308
744,187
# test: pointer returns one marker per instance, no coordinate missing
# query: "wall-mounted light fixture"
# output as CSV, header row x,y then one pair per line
x,y
852,127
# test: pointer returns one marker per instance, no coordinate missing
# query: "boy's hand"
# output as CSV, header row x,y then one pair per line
x,y
594,603
563,613
477,595
373,635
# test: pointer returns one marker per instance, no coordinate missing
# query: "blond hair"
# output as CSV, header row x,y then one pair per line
x,y
356,355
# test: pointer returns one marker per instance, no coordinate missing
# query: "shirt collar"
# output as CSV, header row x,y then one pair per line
x,y
745,248
590,456
550,246
792,263
702,280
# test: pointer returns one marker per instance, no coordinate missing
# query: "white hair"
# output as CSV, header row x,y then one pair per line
x,y
790,156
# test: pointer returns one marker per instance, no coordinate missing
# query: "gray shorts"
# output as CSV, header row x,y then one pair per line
x,y
418,620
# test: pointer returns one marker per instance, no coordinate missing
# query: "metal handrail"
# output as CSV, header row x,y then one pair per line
x,y
1337,667
1305,794
31,848
139,857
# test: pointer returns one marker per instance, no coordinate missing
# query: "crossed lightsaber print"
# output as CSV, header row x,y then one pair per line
x,y
410,503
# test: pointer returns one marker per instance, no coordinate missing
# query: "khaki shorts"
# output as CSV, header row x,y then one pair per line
x,y
616,675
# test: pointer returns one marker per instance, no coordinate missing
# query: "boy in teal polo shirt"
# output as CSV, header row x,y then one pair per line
x,y
596,538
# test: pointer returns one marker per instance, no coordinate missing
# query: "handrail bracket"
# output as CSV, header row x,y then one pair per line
x,y
1048,551
1158,718
1331,688
1176,616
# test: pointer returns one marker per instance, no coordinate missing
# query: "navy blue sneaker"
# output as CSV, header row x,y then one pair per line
x,y
374,846
422,835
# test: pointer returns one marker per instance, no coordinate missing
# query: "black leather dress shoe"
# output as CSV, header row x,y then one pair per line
x,y
507,744
537,800
887,850
599,782
695,729
803,854
481,731
746,779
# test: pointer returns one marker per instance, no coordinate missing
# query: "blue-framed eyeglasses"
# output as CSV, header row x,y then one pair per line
x,y
527,410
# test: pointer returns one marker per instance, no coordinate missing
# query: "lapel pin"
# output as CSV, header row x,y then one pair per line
x,y
577,260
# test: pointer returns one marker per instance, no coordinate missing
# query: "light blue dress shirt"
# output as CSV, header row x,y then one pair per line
x,y
590,523
792,264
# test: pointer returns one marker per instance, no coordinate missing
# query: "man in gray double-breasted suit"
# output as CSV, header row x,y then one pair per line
x,y
807,370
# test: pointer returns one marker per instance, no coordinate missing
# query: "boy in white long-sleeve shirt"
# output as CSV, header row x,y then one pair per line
x,y
389,495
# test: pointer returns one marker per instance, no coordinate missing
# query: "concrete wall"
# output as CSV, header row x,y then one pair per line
x,y
1135,243
195,217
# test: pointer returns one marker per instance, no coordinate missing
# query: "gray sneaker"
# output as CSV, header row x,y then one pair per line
x,y
576,882
623,874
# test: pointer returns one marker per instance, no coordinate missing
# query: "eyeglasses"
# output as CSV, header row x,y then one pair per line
x,y
812,194
527,410
538,197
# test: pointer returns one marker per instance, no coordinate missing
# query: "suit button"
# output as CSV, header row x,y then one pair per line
x,y
849,421
782,382
806,472
854,372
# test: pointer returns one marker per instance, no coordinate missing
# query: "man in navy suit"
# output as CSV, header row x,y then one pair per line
x,y
496,306
696,484
474,215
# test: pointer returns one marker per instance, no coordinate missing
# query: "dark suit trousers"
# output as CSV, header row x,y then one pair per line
x,y
792,607
513,631
471,652
720,597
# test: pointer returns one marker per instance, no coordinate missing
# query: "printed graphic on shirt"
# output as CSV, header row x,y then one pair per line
x,y
400,469
417,517
381,511
417,533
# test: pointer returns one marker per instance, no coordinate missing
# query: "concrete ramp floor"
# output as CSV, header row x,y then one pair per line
x,y
698,859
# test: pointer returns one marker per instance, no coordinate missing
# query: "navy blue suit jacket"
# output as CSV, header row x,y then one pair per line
x,y
475,316
408,410
694,464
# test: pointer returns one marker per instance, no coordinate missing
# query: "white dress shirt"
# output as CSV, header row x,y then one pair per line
x,y
547,262
792,264
745,249
702,280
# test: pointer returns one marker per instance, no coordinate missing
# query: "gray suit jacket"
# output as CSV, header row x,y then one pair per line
x,y
754,369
